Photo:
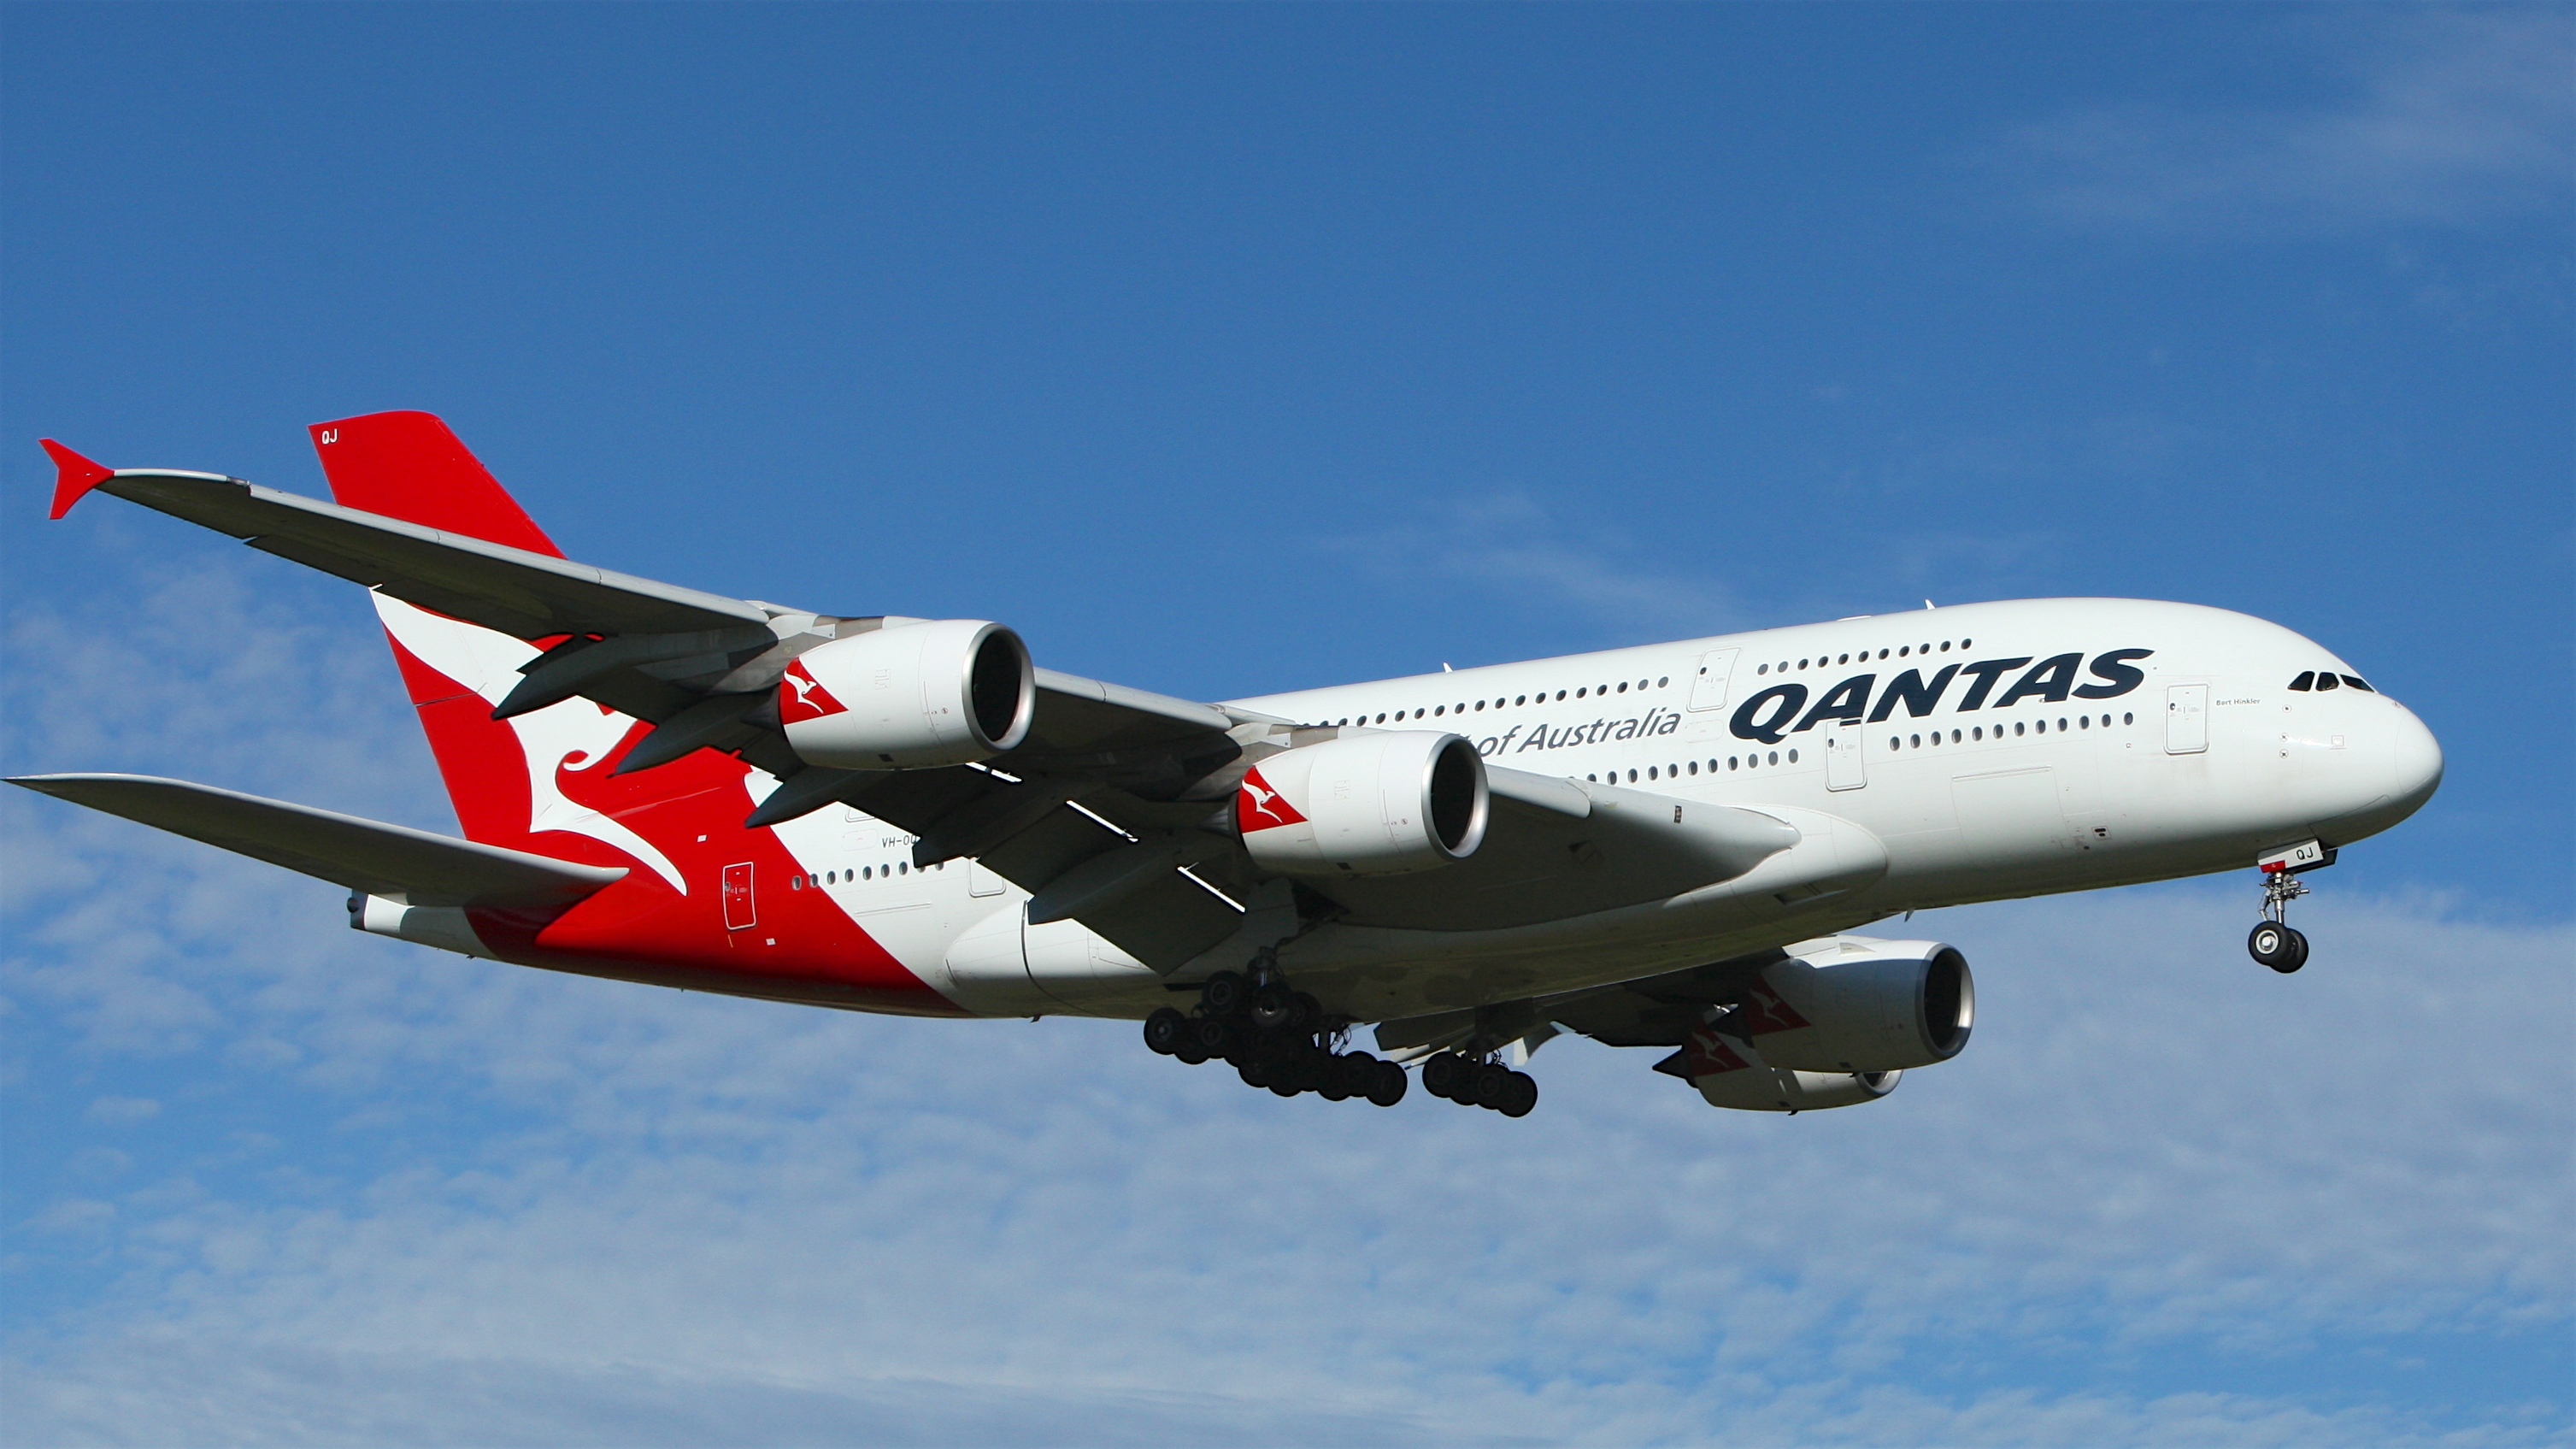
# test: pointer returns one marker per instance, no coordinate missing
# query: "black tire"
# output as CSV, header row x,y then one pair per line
x,y
1164,1030
1386,1083
1213,1036
1339,1081
1441,1072
1492,1085
1523,1096
1189,1054
1272,1007
1223,993
2277,946
1307,1013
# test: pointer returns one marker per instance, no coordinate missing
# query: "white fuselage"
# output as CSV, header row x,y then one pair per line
x,y
2185,753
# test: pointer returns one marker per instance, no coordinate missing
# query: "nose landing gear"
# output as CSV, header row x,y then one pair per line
x,y
2273,942
1273,1037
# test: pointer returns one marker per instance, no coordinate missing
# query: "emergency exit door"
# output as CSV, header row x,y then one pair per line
x,y
737,897
2186,719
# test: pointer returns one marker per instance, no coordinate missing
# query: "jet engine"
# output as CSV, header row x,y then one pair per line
x,y
1853,1004
1759,1090
909,696
1366,804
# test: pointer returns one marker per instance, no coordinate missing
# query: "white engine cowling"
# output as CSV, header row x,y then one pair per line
x,y
1761,1089
909,696
1853,1004
1365,804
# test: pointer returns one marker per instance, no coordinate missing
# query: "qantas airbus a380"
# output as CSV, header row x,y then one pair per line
x,y
1664,846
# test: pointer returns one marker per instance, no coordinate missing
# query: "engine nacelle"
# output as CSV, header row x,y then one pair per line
x,y
1761,1089
1852,1004
1365,804
909,696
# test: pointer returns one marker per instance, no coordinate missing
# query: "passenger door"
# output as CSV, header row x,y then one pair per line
x,y
2186,719
1843,767
1708,689
737,897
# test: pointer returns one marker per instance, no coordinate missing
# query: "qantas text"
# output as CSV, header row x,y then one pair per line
x,y
1773,714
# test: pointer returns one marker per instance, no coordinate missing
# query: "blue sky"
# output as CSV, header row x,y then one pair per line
x,y
1226,350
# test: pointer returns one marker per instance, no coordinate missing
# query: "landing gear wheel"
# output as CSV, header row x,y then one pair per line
x,y
1344,1078
1492,1086
1211,1036
2278,946
1386,1083
1223,993
1522,1097
1189,1053
1306,1014
1164,1030
1272,1007
1440,1074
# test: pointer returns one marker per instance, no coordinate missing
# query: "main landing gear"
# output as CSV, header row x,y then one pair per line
x,y
2273,942
1475,1082
1273,1037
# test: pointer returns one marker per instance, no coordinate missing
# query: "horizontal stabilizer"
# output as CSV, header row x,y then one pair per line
x,y
414,867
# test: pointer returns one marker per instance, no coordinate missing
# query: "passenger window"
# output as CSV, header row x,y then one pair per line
x,y
2307,680
1793,757
2357,684
2325,682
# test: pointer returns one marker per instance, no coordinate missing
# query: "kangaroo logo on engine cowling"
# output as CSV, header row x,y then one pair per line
x,y
802,697
1258,807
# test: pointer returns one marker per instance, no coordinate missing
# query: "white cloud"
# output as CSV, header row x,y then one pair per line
x,y
398,1196
122,1111
1510,544
2452,118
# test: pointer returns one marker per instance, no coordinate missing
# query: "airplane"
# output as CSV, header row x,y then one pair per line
x,y
1669,846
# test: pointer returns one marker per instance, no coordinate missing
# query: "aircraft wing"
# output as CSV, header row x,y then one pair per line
x,y
1098,812
1659,1010
523,594
414,867
661,650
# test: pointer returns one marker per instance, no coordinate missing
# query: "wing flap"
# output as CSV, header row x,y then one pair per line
x,y
396,862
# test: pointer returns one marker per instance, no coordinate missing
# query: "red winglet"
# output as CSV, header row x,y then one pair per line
x,y
74,475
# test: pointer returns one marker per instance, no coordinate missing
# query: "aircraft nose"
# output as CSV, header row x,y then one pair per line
x,y
2415,764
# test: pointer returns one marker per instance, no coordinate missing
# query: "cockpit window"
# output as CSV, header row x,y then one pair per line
x,y
2307,680
2357,684
2326,681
